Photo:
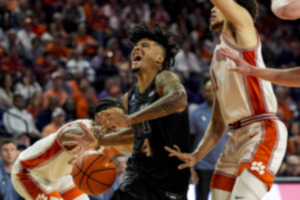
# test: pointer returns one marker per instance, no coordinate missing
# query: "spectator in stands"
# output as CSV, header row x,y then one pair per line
x,y
23,141
75,81
110,83
58,119
38,48
73,15
113,49
57,90
294,138
17,120
35,104
11,40
5,17
66,87
27,85
85,104
11,64
6,93
8,153
186,62
199,120
25,36
20,13
86,43
98,59
44,66
77,63
292,166
58,48
44,117
70,109
127,77
79,94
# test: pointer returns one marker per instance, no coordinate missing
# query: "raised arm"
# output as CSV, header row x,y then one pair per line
x,y
285,77
286,9
234,13
173,99
212,136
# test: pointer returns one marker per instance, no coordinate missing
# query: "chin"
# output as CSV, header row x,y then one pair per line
x,y
135,70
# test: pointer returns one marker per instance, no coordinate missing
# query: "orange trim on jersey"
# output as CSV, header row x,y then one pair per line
x,y
263,156
222,182
72,193
235,47
47,155
253,86
33,189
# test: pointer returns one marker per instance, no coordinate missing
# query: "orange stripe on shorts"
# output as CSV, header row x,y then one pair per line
x,y
262,158
72,193
222,182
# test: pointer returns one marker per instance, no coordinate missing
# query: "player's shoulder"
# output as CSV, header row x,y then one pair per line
x,y
166,76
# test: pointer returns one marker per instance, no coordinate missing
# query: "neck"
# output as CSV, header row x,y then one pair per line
x,y
209,103
229,31
8,167
144,79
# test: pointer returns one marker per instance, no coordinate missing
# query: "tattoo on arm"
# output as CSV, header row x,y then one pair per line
x,y
173,99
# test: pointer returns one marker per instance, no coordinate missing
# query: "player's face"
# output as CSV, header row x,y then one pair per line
x,y
208,92
9,153
216,19
146,53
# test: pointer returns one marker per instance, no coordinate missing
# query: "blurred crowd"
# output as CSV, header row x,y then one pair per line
x,y
59,57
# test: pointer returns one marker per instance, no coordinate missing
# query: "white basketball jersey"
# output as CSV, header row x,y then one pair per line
x,y
239,95
46,158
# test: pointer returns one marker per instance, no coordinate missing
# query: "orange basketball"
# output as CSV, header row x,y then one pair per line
x,y
94,173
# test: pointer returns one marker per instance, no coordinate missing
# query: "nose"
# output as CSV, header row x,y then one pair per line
x,y
213,9
136,47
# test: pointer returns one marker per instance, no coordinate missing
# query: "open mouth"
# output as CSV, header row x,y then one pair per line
x,y
137,59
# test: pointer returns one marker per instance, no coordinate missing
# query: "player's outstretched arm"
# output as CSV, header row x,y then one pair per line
x,y
285,77
212,136
173,99
286,9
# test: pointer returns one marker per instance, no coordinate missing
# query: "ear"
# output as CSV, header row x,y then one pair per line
x,y
160,59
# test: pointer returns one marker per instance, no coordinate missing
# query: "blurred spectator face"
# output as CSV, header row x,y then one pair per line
x,y
14,52
27,24
81,30
23,140
53,103
57,83
57,18
186,46
8,81
90,94
73,2
216,19
49,58
12,36
83,84
70,106
293,165
23,5
8,153
59,120
19,103
208,92
37,98
295,128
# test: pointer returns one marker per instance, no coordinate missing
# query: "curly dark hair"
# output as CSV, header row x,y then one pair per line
x,y
162,36
250,5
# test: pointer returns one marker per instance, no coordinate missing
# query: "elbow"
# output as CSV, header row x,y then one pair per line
x,y
181,101
285,11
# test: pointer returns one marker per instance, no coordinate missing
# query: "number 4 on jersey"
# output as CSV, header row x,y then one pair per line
x,y
146,148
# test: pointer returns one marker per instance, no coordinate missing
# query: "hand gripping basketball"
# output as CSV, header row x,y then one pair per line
x,y
82,142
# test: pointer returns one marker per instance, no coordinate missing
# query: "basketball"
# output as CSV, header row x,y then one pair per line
x,y
94,173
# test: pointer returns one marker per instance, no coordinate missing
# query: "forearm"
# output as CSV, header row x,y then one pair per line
x,y
286,9
175,102
123,137
285,77
212,136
